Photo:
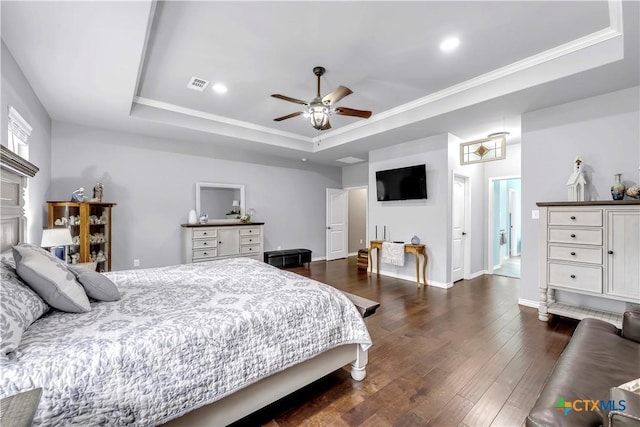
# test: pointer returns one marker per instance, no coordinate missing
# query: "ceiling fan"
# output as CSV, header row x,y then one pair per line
x,y
321,107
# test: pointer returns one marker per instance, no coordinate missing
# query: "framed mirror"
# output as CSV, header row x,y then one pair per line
x,y
219,200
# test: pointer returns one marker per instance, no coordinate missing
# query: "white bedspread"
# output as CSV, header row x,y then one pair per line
x,y
180,337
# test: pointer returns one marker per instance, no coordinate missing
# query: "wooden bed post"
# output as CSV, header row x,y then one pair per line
x,y
358,367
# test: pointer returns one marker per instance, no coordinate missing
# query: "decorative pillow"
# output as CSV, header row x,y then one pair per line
x,y
50,278
96,285
20,306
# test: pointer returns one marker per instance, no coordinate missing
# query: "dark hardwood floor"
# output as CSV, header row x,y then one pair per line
x,y
467,356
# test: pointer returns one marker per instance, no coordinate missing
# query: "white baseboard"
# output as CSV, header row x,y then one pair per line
x,y
529,303
320,258
409,278
495,267
477,274
353,254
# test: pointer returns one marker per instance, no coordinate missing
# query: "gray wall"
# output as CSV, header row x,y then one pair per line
x,y
17,92
424,218
605,131
153,182
357,220
356,175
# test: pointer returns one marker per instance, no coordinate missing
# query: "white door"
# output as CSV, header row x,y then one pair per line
x,y
513,223
459,233
337,217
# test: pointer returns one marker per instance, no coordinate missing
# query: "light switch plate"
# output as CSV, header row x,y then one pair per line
x,y
535,214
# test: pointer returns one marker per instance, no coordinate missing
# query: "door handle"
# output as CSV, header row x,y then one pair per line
x,y
328,228
464,234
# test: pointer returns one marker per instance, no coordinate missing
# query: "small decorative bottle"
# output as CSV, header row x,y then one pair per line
x,y
617,189
415,240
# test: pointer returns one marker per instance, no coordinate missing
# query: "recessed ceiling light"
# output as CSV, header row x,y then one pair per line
x,y
219,88
304,159
449,44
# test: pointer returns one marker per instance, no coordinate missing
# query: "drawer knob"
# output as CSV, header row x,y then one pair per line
x,y
573,218
205,233
251,240
573,253
573,276
573,235
220,243
250,231
610,252
206,253
250,249
205,243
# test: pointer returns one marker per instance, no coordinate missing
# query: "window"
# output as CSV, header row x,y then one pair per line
x,y
19,132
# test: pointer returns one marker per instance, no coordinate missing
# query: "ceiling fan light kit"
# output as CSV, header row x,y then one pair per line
x,y
320,108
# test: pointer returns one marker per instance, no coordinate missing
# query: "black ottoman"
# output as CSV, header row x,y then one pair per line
x,y
288,257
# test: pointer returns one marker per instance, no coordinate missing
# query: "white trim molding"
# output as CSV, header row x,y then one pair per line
x,y
529,303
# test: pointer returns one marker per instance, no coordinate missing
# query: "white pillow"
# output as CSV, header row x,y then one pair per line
x,y
50,278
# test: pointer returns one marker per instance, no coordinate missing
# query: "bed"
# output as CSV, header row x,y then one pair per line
x,y
193,344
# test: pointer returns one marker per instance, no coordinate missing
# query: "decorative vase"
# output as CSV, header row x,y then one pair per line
x,y
415,240
617,189
193,217
204,218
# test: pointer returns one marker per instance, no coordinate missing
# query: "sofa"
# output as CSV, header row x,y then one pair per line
x,y
584,388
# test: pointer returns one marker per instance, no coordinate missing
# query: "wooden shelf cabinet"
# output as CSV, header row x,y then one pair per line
x,y
589,248
208,242
90,226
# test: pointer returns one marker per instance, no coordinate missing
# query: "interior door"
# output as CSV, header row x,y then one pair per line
x,y
337,217
459,233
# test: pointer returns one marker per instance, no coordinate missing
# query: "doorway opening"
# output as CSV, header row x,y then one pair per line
x,y
505,228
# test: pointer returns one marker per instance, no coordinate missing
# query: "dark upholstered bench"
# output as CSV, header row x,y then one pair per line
x,y
288,257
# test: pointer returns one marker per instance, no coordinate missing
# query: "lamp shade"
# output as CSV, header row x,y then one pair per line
x,y
235,203
56,237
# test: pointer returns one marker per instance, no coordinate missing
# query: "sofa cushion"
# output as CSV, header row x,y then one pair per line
x,y
595,360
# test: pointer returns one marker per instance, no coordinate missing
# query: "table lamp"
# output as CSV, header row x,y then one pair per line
x,y
53,238
236,206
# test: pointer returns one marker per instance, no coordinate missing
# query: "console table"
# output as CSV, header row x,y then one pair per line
x,y
417,250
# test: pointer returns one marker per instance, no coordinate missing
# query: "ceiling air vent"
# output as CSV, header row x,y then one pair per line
x,y
197,84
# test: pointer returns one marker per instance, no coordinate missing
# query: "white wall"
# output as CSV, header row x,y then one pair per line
x,y
356,175
605,131
153,182
17,92
424,218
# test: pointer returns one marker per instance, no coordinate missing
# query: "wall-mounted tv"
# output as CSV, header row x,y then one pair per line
x,y
402,183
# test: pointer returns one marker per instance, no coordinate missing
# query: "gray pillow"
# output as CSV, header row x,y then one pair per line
x,y
97,285
50,278
20,306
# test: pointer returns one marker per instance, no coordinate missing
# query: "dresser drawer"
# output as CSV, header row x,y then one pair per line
x,y
205,253
249,240
584,236
249,231
576,253
591,218
578,277
205,243
206,233
249,249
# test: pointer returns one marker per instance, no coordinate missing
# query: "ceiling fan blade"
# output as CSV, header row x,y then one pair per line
x,y
336,95
287,98
288,116
344,111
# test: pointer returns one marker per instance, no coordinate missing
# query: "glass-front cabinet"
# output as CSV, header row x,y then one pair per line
x,y
90,226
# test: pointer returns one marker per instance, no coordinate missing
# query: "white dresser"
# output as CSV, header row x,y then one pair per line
x,y
205,242
590,248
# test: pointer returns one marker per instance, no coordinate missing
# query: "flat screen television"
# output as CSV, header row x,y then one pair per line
x,y
402,183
